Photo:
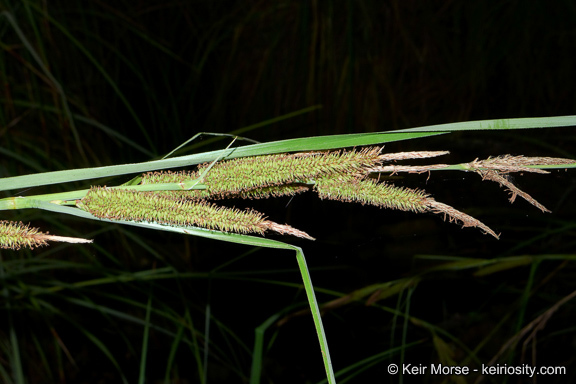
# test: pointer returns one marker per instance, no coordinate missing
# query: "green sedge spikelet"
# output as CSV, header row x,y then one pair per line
x,y
384,195
116,204
17,235
256,193
336,175
368,191
238,176
145,206
273,191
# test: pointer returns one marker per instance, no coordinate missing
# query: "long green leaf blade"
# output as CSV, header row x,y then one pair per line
x,y
499,124
292,145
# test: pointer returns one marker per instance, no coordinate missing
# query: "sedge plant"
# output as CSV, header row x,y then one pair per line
x,y
350,168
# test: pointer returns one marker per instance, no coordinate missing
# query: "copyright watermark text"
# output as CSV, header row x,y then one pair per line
x,y
461,370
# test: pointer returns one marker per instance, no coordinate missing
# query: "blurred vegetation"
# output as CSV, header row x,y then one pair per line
x,y
97,82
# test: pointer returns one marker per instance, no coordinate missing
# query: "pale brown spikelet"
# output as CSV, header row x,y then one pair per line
x,y
408,156
508,163
285,230
393,169
455,215
64,239
495,169
514,190
411,155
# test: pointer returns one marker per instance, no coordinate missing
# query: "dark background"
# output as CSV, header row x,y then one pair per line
x,y
141,77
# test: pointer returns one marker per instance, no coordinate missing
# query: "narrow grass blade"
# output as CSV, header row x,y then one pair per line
x,y
100,68
256,370
86,120
104,349
364,364
174,347
316,315
292,145
49,75
303,144
15,358
499,124
12,350
145,337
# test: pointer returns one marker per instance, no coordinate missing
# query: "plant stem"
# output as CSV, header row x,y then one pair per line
x,y
69,198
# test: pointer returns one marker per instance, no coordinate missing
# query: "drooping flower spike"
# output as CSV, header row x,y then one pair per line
x,y
337,175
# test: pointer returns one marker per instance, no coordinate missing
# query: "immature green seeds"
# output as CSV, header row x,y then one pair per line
x,y
256,176
368,191
122,204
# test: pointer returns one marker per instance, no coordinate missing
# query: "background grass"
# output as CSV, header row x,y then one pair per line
x,y
90,83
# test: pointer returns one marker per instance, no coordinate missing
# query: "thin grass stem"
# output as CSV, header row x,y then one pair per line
x,y
145,337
